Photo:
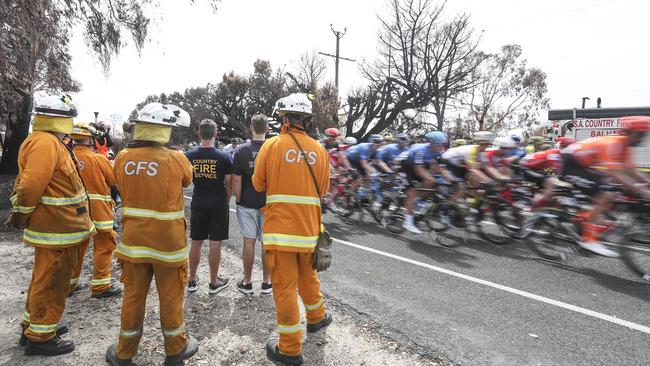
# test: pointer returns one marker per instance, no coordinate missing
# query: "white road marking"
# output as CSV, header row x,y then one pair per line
x,y
526,294
577,309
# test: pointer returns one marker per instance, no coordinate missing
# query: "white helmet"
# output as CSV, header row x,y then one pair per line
x,y
505,142
350,141
483,137
182,117
56,105
161,114
298,103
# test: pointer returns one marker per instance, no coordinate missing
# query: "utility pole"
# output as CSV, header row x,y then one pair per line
x,y
337,57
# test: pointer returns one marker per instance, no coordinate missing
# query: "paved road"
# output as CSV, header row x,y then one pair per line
x,y
484,304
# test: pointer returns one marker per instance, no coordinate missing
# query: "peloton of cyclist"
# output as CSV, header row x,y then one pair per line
x,y
590,162
418,163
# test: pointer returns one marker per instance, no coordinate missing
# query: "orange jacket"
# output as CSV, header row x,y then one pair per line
x,y
151,181
292,215
49,196
98,177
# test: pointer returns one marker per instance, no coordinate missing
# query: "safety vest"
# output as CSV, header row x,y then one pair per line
x,y
49,195
292,215
98,177
151,181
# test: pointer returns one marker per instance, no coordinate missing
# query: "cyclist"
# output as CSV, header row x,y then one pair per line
x,y
358,157
418,162
595,159
535,144
331,138
541,166
501,156
388,153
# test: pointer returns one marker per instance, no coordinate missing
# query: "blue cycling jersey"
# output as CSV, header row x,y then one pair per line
x,y
360,152
388,153
421,154
520,152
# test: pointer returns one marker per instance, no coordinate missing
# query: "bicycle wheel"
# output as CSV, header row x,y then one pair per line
x,y
345,204
546,236
511,217
393,223
489,228
437,218
636,253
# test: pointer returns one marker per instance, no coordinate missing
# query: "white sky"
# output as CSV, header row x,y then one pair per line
x,y
586,47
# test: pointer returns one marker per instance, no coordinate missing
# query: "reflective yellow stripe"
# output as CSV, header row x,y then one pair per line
x,y
129,333
175,332
290,240
100,281
103,225
146,252
63,201
99,197
42,328
150,214
56,238
20,209
74,281
26,316
315,306
300,200
287,329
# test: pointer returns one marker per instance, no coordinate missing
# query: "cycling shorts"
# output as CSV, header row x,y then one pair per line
x,y
412,178
589,179
361,172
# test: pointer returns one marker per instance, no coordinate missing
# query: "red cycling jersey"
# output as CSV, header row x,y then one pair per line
x,y
543,160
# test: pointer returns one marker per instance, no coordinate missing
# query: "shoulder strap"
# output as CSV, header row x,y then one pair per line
x,y
304,157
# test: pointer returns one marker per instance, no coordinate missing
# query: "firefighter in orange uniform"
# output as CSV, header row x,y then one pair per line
x,y
49,203
98,177
151,178
292,220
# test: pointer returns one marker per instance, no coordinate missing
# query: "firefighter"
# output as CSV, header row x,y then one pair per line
x,y
50,205
292,224
151,179
98,178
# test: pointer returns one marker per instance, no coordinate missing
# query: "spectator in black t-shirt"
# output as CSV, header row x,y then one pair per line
x,y
249,203
209,209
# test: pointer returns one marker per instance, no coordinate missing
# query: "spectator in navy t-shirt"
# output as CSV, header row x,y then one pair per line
x,y
249,203
209,210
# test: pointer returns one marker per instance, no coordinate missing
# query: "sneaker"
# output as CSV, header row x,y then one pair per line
x,y
60,330
412,229
53,347
267,288
313,328
111,292
113,360
246,289
190,350
192,286
215,288
598,248
273,353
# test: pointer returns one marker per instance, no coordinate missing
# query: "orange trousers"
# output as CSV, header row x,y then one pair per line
x,y
170,283
48,291
104,243
291,271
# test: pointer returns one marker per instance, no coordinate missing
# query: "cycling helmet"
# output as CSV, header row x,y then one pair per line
x,y
505,143
459,142
636,123
483,137
375,139
516,136
565,141
403,137
350,141
436,137
332,132
390,138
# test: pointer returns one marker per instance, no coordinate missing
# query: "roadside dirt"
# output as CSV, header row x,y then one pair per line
x,y
231,327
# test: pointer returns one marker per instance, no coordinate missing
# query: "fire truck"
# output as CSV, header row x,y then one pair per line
x,y
593,122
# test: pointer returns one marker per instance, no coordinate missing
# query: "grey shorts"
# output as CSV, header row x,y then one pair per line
x,y
251,222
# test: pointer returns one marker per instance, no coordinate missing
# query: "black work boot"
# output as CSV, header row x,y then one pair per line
x,y
60,330
273,354
313,328
53,347
111,292
190,349
113,360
